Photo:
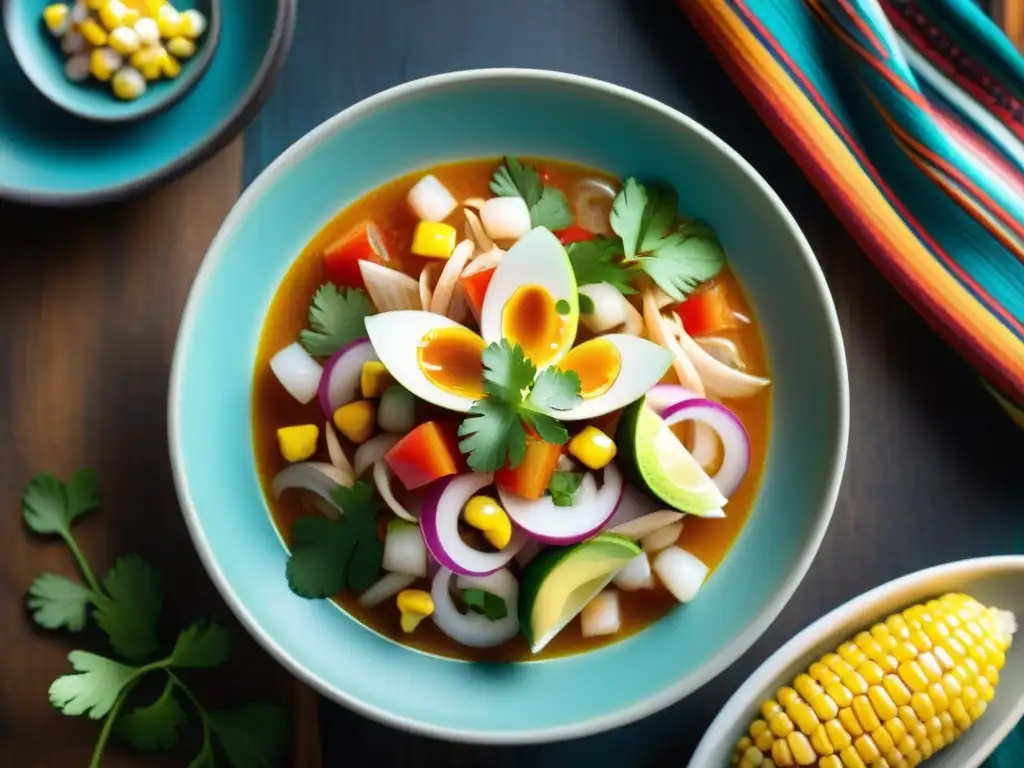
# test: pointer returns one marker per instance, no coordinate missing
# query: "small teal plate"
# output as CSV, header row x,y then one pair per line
x,y
50,157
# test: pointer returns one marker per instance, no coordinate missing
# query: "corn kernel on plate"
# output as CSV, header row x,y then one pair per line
x,y
922,670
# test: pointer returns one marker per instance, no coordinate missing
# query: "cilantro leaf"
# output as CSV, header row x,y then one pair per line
x,y
563,485
552,210
94,690
128,611
494,433
252,736
203,644
154,726
659,216
49,506
627,217
682,263
357,503
562,307
206,757
548,428
56,601
336,317
321,550
364,566
516,179
507,372
593,261
487,603
555,390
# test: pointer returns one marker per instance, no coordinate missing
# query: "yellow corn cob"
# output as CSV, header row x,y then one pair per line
x,y
891,696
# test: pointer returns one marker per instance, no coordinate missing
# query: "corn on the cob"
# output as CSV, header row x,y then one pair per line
x,y
891,696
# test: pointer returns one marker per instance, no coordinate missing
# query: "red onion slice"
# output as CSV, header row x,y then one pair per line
x,y
591,509
731,433
705,442
439,519
339,383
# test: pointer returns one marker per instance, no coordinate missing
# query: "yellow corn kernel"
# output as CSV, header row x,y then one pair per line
x,y
95,5
147,61
124,40
837,735
298,443
168,20
104,62
801,748
93,33
148,31
769,709
865,714
433,239
181,47
374,379
867,749
593,448
882,703
356,420
128,83
850,722
170,66
781,725
781,754
761,735
55,17
871,672
832,761
415,605
897,690
896,730
193,24
821,742
839,693
152,7
115,14
487,516
882,739
851,759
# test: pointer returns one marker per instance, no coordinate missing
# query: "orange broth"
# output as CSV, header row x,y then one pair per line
x,y
273,407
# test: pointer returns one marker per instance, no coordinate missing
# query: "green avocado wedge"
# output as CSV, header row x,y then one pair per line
x,y
655,460
560,582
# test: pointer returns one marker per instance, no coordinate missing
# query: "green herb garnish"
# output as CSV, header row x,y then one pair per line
x,y
678,256
126,607
563,486
486,603
548,205
494,428
600,261
586,304
336,317
328,555
562,307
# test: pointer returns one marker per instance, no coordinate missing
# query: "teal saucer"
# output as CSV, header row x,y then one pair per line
x,y
51,157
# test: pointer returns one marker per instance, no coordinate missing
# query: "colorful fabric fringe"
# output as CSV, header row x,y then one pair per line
x,y
908,116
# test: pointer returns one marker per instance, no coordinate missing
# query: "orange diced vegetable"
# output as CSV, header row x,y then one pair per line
x,y
707,312
364,242
429,452
530,479
474,286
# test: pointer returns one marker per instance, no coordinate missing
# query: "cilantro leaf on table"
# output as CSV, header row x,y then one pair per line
x,y
594,261
50,506
252,736
486,603
563,485
548,205
94,689
336,317
203,644
130,607
153,727
56,601
494,433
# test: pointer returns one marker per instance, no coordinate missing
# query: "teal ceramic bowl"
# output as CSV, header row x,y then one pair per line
x,y
39,55
479,114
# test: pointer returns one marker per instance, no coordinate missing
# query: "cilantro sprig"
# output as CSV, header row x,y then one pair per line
x,y
676,255
495,428
548,205
328,555
336,317
126,607
563,486
485,603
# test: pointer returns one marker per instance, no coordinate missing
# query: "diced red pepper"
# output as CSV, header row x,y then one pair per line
x,y
574,233
531,478
474,287
364,242
429,452
707,312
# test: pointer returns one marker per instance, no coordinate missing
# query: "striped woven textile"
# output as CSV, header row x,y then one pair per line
x,y
908,116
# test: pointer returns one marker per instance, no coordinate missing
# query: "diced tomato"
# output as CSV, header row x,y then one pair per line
x,y
574,234
362,243
474,286
530,479
429,452
707,312
545,177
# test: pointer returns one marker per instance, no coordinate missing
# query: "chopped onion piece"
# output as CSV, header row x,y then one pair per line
x,y
404,550
335,451
389,585
720,380
592,201
397,410
315,476
635,575
648,524
505,218
427,281
475,230
601,616
341,377
372,451
297,371
663,538
389,289
472,629
430,200
445,289
382,479
680,572
609,307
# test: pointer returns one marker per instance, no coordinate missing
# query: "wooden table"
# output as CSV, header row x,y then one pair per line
x,y
90,301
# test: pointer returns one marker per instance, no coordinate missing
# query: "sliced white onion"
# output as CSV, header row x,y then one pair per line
x,y
592,200
315,476
445,289
635,575
439,519
730,431
382,476
663,538
487,260
372,451
335,451
427,281
459,310
590,510
430,200
661,333
389,585
297,371
648,524
661,396
472,629
341,377
389,289
404,550
724,351
475,229
505,218
397,410
680,572
633,504
474,202
719,379
609,307
530,550
705,440
601,616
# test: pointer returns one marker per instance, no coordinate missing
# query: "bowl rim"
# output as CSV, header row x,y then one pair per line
x,y
207,145
673,692
819,632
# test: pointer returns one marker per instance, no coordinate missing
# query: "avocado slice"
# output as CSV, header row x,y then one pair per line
x,y
655,460
559,583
